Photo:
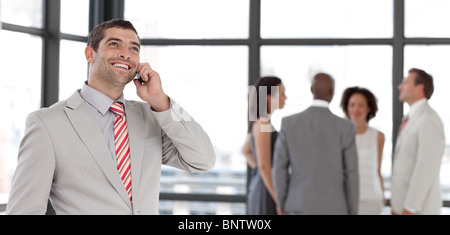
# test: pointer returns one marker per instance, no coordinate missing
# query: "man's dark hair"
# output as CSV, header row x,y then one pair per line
x,y
98,33
424,78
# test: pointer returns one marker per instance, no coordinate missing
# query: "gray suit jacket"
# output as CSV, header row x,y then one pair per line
x,y
316,167
417,162
63,156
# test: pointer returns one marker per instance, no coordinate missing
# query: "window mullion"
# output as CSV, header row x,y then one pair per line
x,y
50,78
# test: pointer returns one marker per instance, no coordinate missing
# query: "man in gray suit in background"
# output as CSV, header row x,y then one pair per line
x,y
315,168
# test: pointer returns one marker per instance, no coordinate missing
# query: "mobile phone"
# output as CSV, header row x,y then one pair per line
x,y
138,77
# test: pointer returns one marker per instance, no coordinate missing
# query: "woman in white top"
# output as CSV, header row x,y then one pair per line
x,y
360,105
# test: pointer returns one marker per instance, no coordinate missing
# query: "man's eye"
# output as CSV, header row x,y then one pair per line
x,y
114,44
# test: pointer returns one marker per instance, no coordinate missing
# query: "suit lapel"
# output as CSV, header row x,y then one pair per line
x,y
135,122
85,125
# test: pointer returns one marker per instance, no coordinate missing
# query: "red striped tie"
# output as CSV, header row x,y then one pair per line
x,y
122,146
405,120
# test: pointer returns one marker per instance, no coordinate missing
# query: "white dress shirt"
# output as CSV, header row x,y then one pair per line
x,y
416,106
320,103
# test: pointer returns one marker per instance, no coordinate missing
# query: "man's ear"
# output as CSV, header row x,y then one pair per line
x,y
421,88
89,53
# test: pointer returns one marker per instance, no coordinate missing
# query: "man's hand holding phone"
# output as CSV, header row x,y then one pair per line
x,y
149,88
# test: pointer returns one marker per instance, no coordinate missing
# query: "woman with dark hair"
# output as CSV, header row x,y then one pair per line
x,y
267,95
360,105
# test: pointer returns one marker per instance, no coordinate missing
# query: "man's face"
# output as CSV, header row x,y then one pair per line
x,y
117,57
408,89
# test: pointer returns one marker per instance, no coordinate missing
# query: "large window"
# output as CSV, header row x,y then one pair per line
x,y
75,17
193,19
72,61
209,81
20,94
364,66
20,83
427,18
23,12
28,48
73,67
326,19
207,52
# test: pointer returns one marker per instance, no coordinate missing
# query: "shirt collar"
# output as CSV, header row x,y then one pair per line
x,y
320,103
98,100
416,106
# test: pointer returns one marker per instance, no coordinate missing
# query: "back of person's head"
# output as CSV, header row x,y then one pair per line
x,y
265,85
425,79
97,34
370,98
322,87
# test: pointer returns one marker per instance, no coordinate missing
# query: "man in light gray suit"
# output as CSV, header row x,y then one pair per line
x,y
420,145
69,151
315,166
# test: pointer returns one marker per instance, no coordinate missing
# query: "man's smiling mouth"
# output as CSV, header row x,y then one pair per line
x,y
119,65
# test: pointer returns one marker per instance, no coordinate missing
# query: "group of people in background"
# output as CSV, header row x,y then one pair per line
x,y
319,163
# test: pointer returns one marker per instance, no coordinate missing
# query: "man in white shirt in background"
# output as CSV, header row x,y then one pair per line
x,y
419,149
